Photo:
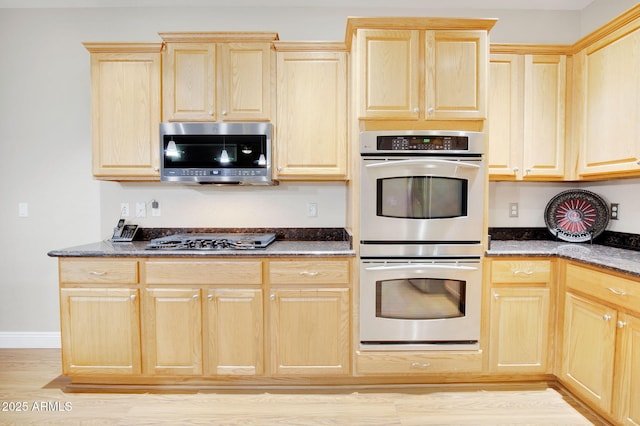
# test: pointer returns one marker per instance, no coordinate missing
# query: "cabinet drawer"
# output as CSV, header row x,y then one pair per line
x,y
103,271
436,362
609,288
203,272
312,271
520,271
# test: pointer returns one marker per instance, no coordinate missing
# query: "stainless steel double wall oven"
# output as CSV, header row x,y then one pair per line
x,y
421,227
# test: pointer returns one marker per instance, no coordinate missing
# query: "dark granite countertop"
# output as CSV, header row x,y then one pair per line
x,y
276,249
615,259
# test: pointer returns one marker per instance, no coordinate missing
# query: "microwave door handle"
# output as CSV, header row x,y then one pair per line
x,y
422,162
420,266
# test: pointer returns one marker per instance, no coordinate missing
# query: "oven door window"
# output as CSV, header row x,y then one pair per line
x,y
420,298
422,197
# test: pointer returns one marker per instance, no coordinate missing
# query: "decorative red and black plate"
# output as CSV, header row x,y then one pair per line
x,y
576,215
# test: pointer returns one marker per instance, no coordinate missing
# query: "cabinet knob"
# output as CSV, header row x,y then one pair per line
x,y
279,168
622,324
429,110
496,296
210,297
224,112
527,171
132,297
272,297
211,112
195,297
606,317
516,170
417,110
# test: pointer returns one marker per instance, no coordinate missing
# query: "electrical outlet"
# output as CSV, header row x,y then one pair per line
x,y
141,209
124,209
23,210
312,210
513,209
614,211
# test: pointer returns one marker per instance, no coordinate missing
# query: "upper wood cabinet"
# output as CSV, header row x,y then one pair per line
x,y
527,113
607,87
218,76
421,69
311,124
125,110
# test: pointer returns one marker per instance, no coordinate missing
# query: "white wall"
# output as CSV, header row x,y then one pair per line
x,y
45,123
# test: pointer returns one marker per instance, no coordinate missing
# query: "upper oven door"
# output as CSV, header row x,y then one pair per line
x,y
425,198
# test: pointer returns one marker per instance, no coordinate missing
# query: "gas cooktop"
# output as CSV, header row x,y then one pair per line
x,y
212,242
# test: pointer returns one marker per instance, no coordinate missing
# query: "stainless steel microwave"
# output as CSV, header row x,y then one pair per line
x,y
216,153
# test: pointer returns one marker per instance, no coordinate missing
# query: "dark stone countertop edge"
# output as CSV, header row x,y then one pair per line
x,y
276,249
611,258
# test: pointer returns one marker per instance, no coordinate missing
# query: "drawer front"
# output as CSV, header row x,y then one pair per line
x,y
203,272
377,363
99,271
619,291
312,272
520,271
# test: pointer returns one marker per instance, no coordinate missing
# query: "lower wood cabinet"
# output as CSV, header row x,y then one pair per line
x,y
519,321
601,341
172,331
100,331
309,331
233,331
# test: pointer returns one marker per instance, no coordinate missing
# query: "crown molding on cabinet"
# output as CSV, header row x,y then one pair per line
x,y
217,37
122,47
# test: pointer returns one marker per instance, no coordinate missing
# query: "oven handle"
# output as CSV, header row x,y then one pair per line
x,y
421,266
423,162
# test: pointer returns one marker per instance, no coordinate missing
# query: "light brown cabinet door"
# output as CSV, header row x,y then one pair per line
x,y
388,74
526,126
608,108
312,114
233,332
189,82
519,338
456,75
309,331
245,83
172,331
588,347
627,379
125,115
100,331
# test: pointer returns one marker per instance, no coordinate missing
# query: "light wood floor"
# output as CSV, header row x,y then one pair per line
x,y
30,380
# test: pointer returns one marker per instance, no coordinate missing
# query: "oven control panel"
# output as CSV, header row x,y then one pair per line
x,y
423,143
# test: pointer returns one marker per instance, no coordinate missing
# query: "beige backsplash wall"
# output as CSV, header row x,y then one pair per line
x,y
532,199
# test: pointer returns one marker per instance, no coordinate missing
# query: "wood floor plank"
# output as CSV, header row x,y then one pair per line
x,y
31,394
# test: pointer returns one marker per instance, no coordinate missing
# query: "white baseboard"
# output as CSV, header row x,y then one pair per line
x,y
29,339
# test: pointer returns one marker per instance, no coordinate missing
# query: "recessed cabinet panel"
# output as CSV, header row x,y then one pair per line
x,y
100,331
189,83
125,110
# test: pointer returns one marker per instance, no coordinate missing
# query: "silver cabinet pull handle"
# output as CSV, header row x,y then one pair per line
x,y
617,292
99,274
522,272
421,364
309,273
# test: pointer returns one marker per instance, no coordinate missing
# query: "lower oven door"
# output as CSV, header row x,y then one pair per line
x,y
414,302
